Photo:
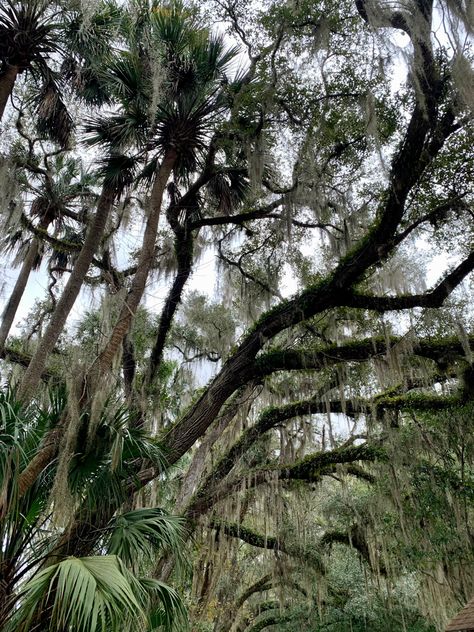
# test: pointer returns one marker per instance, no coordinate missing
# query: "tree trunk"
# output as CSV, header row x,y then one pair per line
x,y
68,297
7,81
11,307
38,463
20,285
143,268
184,250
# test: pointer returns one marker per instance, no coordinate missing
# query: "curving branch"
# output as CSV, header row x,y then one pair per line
x,y
268,419
442,351
311,469
270,543
184,254
240,218
433,298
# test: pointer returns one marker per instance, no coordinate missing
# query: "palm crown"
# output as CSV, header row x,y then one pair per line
x,y
168,86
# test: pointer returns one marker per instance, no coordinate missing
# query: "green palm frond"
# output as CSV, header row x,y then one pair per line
x,y
54,120
174,27
21,432
90,46
129,79
101,467
22,428
192,95
28,35
117,171
228,188
171,613
89,594
117,131
136,535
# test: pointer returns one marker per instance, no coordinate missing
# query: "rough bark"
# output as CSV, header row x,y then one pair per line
x,y
144,265
64,305
35,467
11,307
40,461
7,81
20,284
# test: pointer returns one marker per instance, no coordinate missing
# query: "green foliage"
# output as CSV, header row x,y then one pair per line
x,y
137,534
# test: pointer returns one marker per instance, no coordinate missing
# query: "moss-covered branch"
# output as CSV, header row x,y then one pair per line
x,y
271,619
268,419
433,298
260,541
264,583
417,401
23,359
444,351
311,469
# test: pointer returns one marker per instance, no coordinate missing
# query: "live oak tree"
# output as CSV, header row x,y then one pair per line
x,y
291,141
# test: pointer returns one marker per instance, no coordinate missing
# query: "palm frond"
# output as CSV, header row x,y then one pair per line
x,y
138,534
27,33
228,188
84,594
117,172
54,120
171,613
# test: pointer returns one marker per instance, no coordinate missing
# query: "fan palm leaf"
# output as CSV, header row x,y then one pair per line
x,y
84,594
28,38
27,34
193,70
170,614
138,534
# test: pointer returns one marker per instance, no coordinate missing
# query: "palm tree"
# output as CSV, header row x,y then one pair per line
x,y
169,132
116,176
28,38
176,131
62,189
105,589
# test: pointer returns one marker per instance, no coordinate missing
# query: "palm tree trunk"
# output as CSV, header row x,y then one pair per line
x,y
40,461
33,373
13,302
7,81
143,268
11,307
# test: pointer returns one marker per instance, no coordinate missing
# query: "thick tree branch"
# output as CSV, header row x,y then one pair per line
x,y
444,351
240,218
311,469
270,543
433,298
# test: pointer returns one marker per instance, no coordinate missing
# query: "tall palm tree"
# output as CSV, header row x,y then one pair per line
x,y
29,38
116,176
168,133
175,128
62,190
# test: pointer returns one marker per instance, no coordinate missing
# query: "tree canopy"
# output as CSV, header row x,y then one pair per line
x,y
242,395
